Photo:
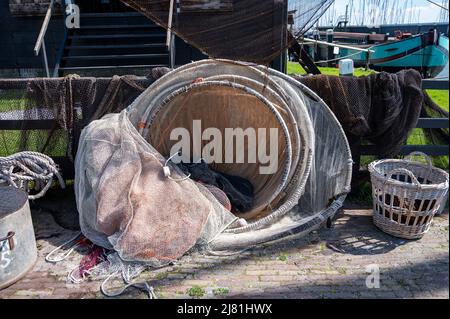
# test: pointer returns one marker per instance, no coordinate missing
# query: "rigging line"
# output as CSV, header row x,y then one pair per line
x,y
337,59
321,10
437,4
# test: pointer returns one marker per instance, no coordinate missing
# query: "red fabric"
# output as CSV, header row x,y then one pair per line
x,y
90,260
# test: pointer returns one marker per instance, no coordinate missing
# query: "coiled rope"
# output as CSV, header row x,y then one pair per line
x,y
19,169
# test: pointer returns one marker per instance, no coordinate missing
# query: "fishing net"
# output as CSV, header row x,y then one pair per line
x,y
383,108
133,198
308,201
127,204
245,30
46,115
208,101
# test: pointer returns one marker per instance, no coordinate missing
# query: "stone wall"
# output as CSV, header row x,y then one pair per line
x,y
32,7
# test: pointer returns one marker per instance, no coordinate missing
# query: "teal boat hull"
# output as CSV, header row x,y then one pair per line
x,y
421,52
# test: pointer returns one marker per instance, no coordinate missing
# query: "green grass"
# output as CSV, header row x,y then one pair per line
x,y
417,137
221,291
362,195
10,140
35,140
283,257
440,97
294,68
196,292
12,100
161,275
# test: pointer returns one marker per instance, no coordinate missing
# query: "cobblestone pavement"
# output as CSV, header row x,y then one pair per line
x,y
329,263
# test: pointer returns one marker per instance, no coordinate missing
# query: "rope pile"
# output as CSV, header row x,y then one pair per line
x,y
19,169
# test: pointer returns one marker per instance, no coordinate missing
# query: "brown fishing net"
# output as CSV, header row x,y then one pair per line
x,y
211,105
244,30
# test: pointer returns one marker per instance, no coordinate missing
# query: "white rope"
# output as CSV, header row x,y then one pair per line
x,y
72,247
229,253
18,169
337,59
139,285
167,172
85,273
126,276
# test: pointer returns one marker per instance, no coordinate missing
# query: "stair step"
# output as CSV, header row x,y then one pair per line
x,y
114,56
110,67
116,46
114,43
119,26
116,36
111,15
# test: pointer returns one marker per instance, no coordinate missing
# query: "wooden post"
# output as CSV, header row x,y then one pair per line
x,y
330,55
316,36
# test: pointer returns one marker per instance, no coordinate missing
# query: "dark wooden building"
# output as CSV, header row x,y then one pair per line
x,y
114,38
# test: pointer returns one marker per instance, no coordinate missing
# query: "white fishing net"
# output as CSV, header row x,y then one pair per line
x,y
127,204
149,215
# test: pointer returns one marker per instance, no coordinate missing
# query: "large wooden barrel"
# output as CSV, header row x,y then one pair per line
x,y
18,251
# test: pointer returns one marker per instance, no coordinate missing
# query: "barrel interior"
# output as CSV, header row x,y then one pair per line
x,y
222,108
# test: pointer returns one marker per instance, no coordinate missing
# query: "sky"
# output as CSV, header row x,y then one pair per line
x,y
421,11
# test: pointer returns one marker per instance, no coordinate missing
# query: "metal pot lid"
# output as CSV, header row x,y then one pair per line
x,y
11,200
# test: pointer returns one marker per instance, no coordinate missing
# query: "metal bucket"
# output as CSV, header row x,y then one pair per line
x,y
18,251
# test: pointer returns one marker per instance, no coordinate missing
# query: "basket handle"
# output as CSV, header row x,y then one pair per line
x,y
427,158
403,171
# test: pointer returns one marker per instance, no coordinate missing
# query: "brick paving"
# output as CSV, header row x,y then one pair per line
x,y
329,263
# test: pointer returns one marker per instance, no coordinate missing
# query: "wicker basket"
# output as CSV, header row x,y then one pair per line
x,y
406,195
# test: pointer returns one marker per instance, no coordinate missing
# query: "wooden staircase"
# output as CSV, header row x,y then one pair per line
x,y
112,43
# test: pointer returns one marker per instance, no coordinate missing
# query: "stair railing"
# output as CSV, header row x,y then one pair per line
x,y
170,38
40,42
169,24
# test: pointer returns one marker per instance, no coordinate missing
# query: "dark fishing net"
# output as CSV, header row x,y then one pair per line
x,y
432,110
244,30
47,115
382,108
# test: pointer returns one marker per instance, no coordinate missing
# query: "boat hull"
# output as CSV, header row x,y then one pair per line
x,y
421,52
